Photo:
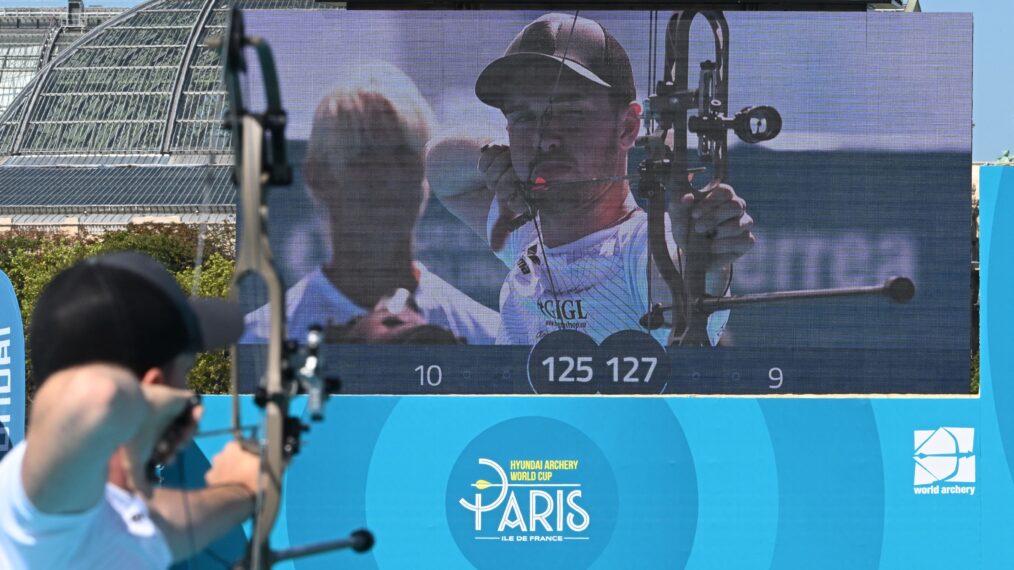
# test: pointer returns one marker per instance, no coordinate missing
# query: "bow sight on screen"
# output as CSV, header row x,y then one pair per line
x,y
667,170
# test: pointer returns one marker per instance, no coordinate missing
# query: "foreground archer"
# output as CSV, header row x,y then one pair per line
x,y
112,340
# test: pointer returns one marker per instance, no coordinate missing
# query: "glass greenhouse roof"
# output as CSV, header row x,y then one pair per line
x,y
125,189
32,37
141,88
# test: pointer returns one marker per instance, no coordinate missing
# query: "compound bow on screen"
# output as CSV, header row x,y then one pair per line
x,y
665,176
665,173
260,161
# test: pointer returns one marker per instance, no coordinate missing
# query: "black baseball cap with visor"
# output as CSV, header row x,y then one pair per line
x,y
124,308
559,43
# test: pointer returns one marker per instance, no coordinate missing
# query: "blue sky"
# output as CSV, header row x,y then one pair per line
x,y
993,68
992,72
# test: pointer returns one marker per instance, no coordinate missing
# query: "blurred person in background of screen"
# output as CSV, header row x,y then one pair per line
x,y
365,168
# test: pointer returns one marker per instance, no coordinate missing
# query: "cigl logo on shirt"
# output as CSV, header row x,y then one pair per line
x,y
563,309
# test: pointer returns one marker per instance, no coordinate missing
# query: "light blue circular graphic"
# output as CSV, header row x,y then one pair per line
x,y
532,492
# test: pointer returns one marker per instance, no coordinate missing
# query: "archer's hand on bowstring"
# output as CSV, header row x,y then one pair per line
x,y
468,174
721,217
498,172
155,441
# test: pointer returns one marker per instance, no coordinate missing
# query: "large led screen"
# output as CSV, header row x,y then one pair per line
x,y
625,202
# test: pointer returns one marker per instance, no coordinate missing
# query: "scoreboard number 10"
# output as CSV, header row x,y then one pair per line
x,y
431,375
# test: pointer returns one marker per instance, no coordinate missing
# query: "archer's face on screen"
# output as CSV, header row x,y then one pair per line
x,y
577,139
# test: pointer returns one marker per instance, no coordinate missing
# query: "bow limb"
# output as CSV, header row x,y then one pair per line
x,y
290,367
667,169
656,174
957,452
254,258
712,100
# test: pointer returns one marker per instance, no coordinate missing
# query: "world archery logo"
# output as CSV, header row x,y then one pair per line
x,y
944,458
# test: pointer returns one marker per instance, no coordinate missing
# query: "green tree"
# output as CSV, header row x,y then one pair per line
x,y
31,258
974,388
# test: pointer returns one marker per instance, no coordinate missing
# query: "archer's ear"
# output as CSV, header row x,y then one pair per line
x,y
154,376
630,125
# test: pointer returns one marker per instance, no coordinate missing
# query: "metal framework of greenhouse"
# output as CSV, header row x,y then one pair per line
x,y
118,121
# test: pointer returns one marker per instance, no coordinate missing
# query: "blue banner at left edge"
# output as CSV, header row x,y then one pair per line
x,y
12,368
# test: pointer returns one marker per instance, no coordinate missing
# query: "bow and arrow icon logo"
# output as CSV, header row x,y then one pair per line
x,y
944,455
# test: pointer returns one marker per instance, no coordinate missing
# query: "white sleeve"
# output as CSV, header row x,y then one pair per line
x,y
29,536
516,241
716,325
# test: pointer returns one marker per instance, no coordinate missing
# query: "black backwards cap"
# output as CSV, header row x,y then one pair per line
x,y
580,46
124,308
